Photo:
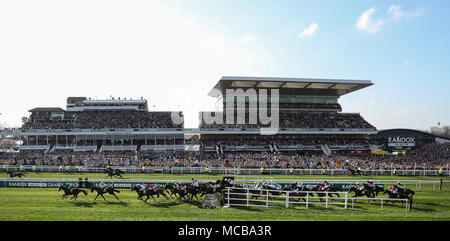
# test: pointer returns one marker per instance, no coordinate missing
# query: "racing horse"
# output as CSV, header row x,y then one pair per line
x,y
149,193
324,193
15,174
355,172
113,172
101,191
399,195
405,191
301,193
358,193
75,191
377,189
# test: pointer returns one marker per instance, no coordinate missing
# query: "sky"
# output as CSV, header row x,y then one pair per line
x,y
173,52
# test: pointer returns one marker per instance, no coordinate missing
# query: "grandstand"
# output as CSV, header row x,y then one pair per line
x,y
310,117
101,125
312,132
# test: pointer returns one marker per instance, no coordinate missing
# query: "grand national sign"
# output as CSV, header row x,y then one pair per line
x,y
402,141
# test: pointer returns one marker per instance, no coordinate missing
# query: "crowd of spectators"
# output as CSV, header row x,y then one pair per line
x,y
284,140
298,106
106,119
302,120
429,156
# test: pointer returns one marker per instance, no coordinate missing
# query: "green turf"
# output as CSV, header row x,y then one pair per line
x,y
46,204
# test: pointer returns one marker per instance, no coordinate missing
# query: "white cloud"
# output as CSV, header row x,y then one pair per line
x,y
397,13
403,112
247,38
407,61
310,31
366,23
372,101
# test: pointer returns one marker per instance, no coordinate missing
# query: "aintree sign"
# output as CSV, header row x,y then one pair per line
x,y
402,141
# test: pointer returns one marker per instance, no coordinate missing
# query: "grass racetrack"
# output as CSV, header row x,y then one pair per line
x,y
36,204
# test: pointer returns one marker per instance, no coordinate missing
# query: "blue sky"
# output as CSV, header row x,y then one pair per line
x,y
408,57
55,49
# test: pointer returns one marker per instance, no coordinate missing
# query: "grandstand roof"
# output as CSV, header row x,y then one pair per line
x,y
47,109
300,86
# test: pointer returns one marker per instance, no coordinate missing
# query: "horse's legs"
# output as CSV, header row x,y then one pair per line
x,y
96,196
115,196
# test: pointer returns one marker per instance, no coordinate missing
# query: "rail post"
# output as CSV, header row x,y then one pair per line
x,y
228,194
267,198
346,200
248,196
307,199
287,199
326,199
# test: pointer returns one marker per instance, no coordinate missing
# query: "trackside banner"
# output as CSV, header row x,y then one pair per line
x,y
127,185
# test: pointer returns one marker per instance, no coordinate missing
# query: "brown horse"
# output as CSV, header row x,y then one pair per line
x,y
399,195
101,191
149,193
325,193
74,191
301,193
15,174
256,193
358,193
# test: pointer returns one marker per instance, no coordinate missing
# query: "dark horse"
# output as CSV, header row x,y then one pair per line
x,y
113,172
301,193
75,191
256,193
189,190
101,191
405,191
358,193
15,174
194,191
149,193
355,172
377,189
324,193
399,195
171,190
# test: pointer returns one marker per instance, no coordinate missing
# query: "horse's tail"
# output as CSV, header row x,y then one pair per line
x,y
114,190
83,191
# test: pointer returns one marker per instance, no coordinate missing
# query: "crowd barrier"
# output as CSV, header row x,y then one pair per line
x,y
225,170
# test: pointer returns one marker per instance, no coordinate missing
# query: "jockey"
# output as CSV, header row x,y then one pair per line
x,y
264,184
326,185
101,184
86,182
195,183
299,185
400,186
293,187
370,184
70,186
394,190
151,187
142,187
321,186
359,187
183,187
